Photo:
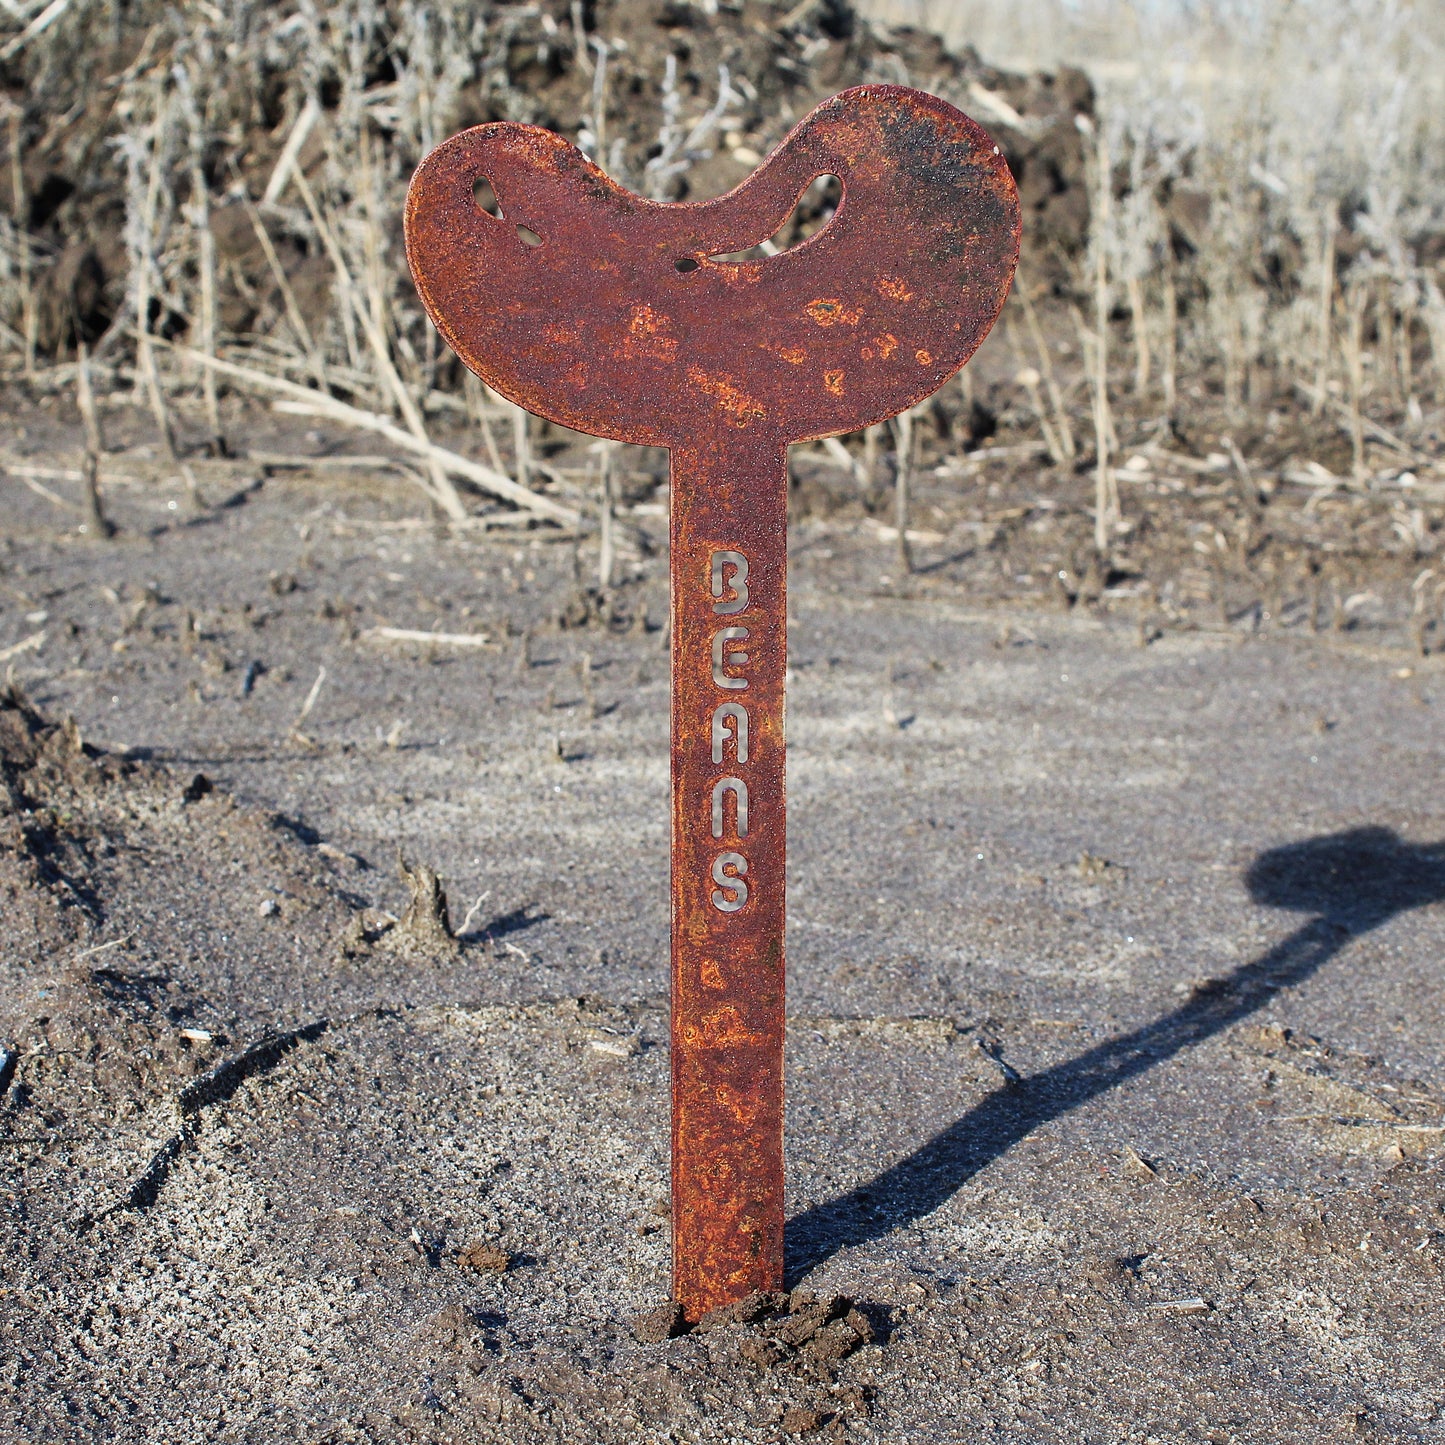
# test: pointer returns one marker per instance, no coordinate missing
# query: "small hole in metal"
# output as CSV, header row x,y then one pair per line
x,y
686,264
486,197
528,237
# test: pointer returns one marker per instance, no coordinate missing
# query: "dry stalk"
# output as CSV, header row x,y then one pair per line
x,y
42,22
444,494
1419,617
1385,330
96,524
579,38
142,241
834,447
147,379
206,252
606,501
303,401
1028,378
1356,302
871,437
288,295
599,93
29,310
905,437
1233,339
1106,486
1324,315
474,394
1135,289
371,239
1434,315
305,121
678,149
521,443
1169,363
589,692
1348,417
1062,425
1405,360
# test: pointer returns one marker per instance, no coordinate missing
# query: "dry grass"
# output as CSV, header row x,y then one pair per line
x,y
1266,201
1281,167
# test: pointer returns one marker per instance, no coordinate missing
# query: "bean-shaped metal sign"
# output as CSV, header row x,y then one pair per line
x,y
624,317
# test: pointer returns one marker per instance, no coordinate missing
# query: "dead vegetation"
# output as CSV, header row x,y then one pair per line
x,y
1217,393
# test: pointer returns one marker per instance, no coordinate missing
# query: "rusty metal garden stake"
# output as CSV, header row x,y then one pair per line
x,y
623,317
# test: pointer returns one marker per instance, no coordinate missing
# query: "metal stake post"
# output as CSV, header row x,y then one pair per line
x,y
616,315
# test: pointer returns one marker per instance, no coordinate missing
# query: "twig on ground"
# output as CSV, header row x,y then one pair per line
x,y
350,462
22,474
33,643
307,706
103,947
412,634
472,912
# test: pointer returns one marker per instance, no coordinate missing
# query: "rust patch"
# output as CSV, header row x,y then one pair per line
x,y
732,400
793,355
830,311
894,288
725,364
649,334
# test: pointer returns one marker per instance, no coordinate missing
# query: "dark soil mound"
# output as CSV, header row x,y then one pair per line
x,y
82,145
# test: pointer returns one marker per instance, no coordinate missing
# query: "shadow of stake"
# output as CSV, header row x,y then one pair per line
x,y
1350,882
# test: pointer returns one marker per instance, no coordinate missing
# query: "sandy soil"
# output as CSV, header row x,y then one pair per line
x,y
1116,1078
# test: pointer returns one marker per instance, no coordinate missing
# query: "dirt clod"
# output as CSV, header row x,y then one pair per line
x,y
485,1258
751,1308
764,1353
861,1325
426,926
798,1420
832,1343
665,1322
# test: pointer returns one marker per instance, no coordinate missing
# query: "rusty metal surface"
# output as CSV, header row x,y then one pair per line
x,y
619,321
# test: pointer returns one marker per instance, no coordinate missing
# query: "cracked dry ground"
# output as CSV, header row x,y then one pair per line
x,y
1115,1064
